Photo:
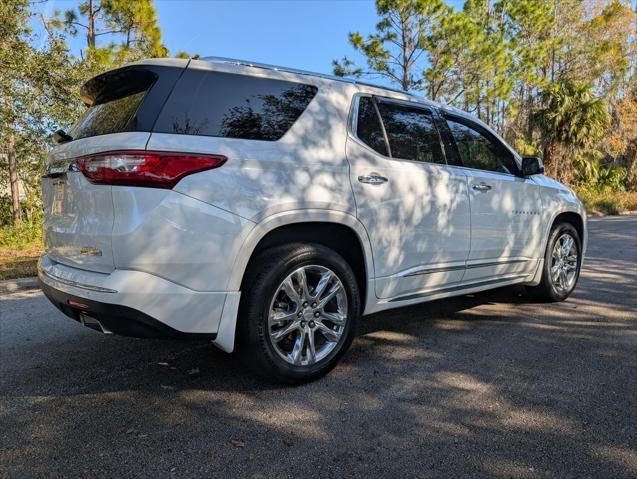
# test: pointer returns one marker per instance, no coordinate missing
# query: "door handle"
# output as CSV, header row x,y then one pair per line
x,y
373,179
481,187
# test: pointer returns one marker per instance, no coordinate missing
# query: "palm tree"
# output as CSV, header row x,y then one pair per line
x,y
571,117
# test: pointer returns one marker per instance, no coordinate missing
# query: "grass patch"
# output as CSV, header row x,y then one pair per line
x,y
20,248
608,202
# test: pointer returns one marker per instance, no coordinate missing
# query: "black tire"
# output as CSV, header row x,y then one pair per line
x,y
548,290
263,277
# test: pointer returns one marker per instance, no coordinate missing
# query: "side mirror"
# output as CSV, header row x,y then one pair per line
x,y
61,136
532,165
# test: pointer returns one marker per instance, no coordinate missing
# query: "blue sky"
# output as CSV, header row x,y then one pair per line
x,y
305,34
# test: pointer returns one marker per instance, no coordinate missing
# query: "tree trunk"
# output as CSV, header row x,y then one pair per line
x,y
557,162
631,166
90,35
13,179
550,158
407,49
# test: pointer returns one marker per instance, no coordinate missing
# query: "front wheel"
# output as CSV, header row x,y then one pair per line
x,y
299,305
562,263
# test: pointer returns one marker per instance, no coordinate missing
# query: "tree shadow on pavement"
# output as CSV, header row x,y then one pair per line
x,y
490,385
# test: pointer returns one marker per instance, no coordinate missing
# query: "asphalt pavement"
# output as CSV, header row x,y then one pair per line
x,y
487,385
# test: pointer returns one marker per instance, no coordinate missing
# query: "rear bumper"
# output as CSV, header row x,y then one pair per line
x,y
134,303
112,318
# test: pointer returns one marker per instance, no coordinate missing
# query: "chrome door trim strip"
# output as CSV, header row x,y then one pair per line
x,y
409,297
435,270
496,263
462,267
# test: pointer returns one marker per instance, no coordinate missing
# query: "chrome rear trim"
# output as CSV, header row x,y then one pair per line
x,y
75,284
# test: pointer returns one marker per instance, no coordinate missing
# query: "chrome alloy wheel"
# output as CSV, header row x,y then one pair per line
x,y
307,315
564,263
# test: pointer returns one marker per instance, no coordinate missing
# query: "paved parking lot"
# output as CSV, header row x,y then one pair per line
x,y
486,385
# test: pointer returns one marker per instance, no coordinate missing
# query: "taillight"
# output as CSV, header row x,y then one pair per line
x,y
144,168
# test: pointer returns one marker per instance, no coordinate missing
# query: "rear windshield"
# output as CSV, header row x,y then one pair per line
x,y
233,106
113,100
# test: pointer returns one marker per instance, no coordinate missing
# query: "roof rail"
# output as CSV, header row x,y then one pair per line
x,y
266,66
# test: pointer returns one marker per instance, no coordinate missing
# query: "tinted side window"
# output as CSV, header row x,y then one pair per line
x,y
480,151
368,127
233,106
411,132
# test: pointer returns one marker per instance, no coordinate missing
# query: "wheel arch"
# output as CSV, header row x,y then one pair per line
x,y
571,217
339,231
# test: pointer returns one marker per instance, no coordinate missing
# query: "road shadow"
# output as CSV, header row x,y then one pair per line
x,y
490,384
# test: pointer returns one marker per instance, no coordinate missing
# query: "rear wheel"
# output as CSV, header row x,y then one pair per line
x,y
299,306
562,262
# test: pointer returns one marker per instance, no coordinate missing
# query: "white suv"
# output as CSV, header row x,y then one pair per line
x,y
268,208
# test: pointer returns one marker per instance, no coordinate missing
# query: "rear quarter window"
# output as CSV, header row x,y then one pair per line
x,y
233,106
114,99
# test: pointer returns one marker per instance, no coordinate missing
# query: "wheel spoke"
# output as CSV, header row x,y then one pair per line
x,y
328,297
279,334
329,334
563,279
336,318
555,271
322,284
311,348
302,280
282,316
567,245
289,290
297,351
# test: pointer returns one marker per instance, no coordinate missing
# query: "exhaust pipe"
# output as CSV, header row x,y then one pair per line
x,y
93,323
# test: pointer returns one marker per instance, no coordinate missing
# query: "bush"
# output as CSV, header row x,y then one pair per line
x,y
607,201
590,174
26,234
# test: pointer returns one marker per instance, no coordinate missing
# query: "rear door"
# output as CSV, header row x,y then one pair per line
x,y
78,215
505,208
414,207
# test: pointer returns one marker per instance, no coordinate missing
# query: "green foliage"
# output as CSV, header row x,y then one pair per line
x,y
556,78
590,174
397,46
571,114
40,80
607,202
23,235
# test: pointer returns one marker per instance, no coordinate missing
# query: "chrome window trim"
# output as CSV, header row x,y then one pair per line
x,y
353,125
463,116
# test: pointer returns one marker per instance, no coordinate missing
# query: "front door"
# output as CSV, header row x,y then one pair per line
x,y
414,207
505,208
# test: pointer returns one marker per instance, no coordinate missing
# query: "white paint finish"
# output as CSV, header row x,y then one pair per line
x,y
306,168
557,199
174,305
180,255
78,214
441,293
506,225
419,219
277,220
228,323
170,235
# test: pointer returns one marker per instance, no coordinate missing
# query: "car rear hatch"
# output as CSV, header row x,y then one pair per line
x,y
78,214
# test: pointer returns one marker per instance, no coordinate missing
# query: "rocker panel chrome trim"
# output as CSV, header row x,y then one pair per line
x,y
456,288
461,267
